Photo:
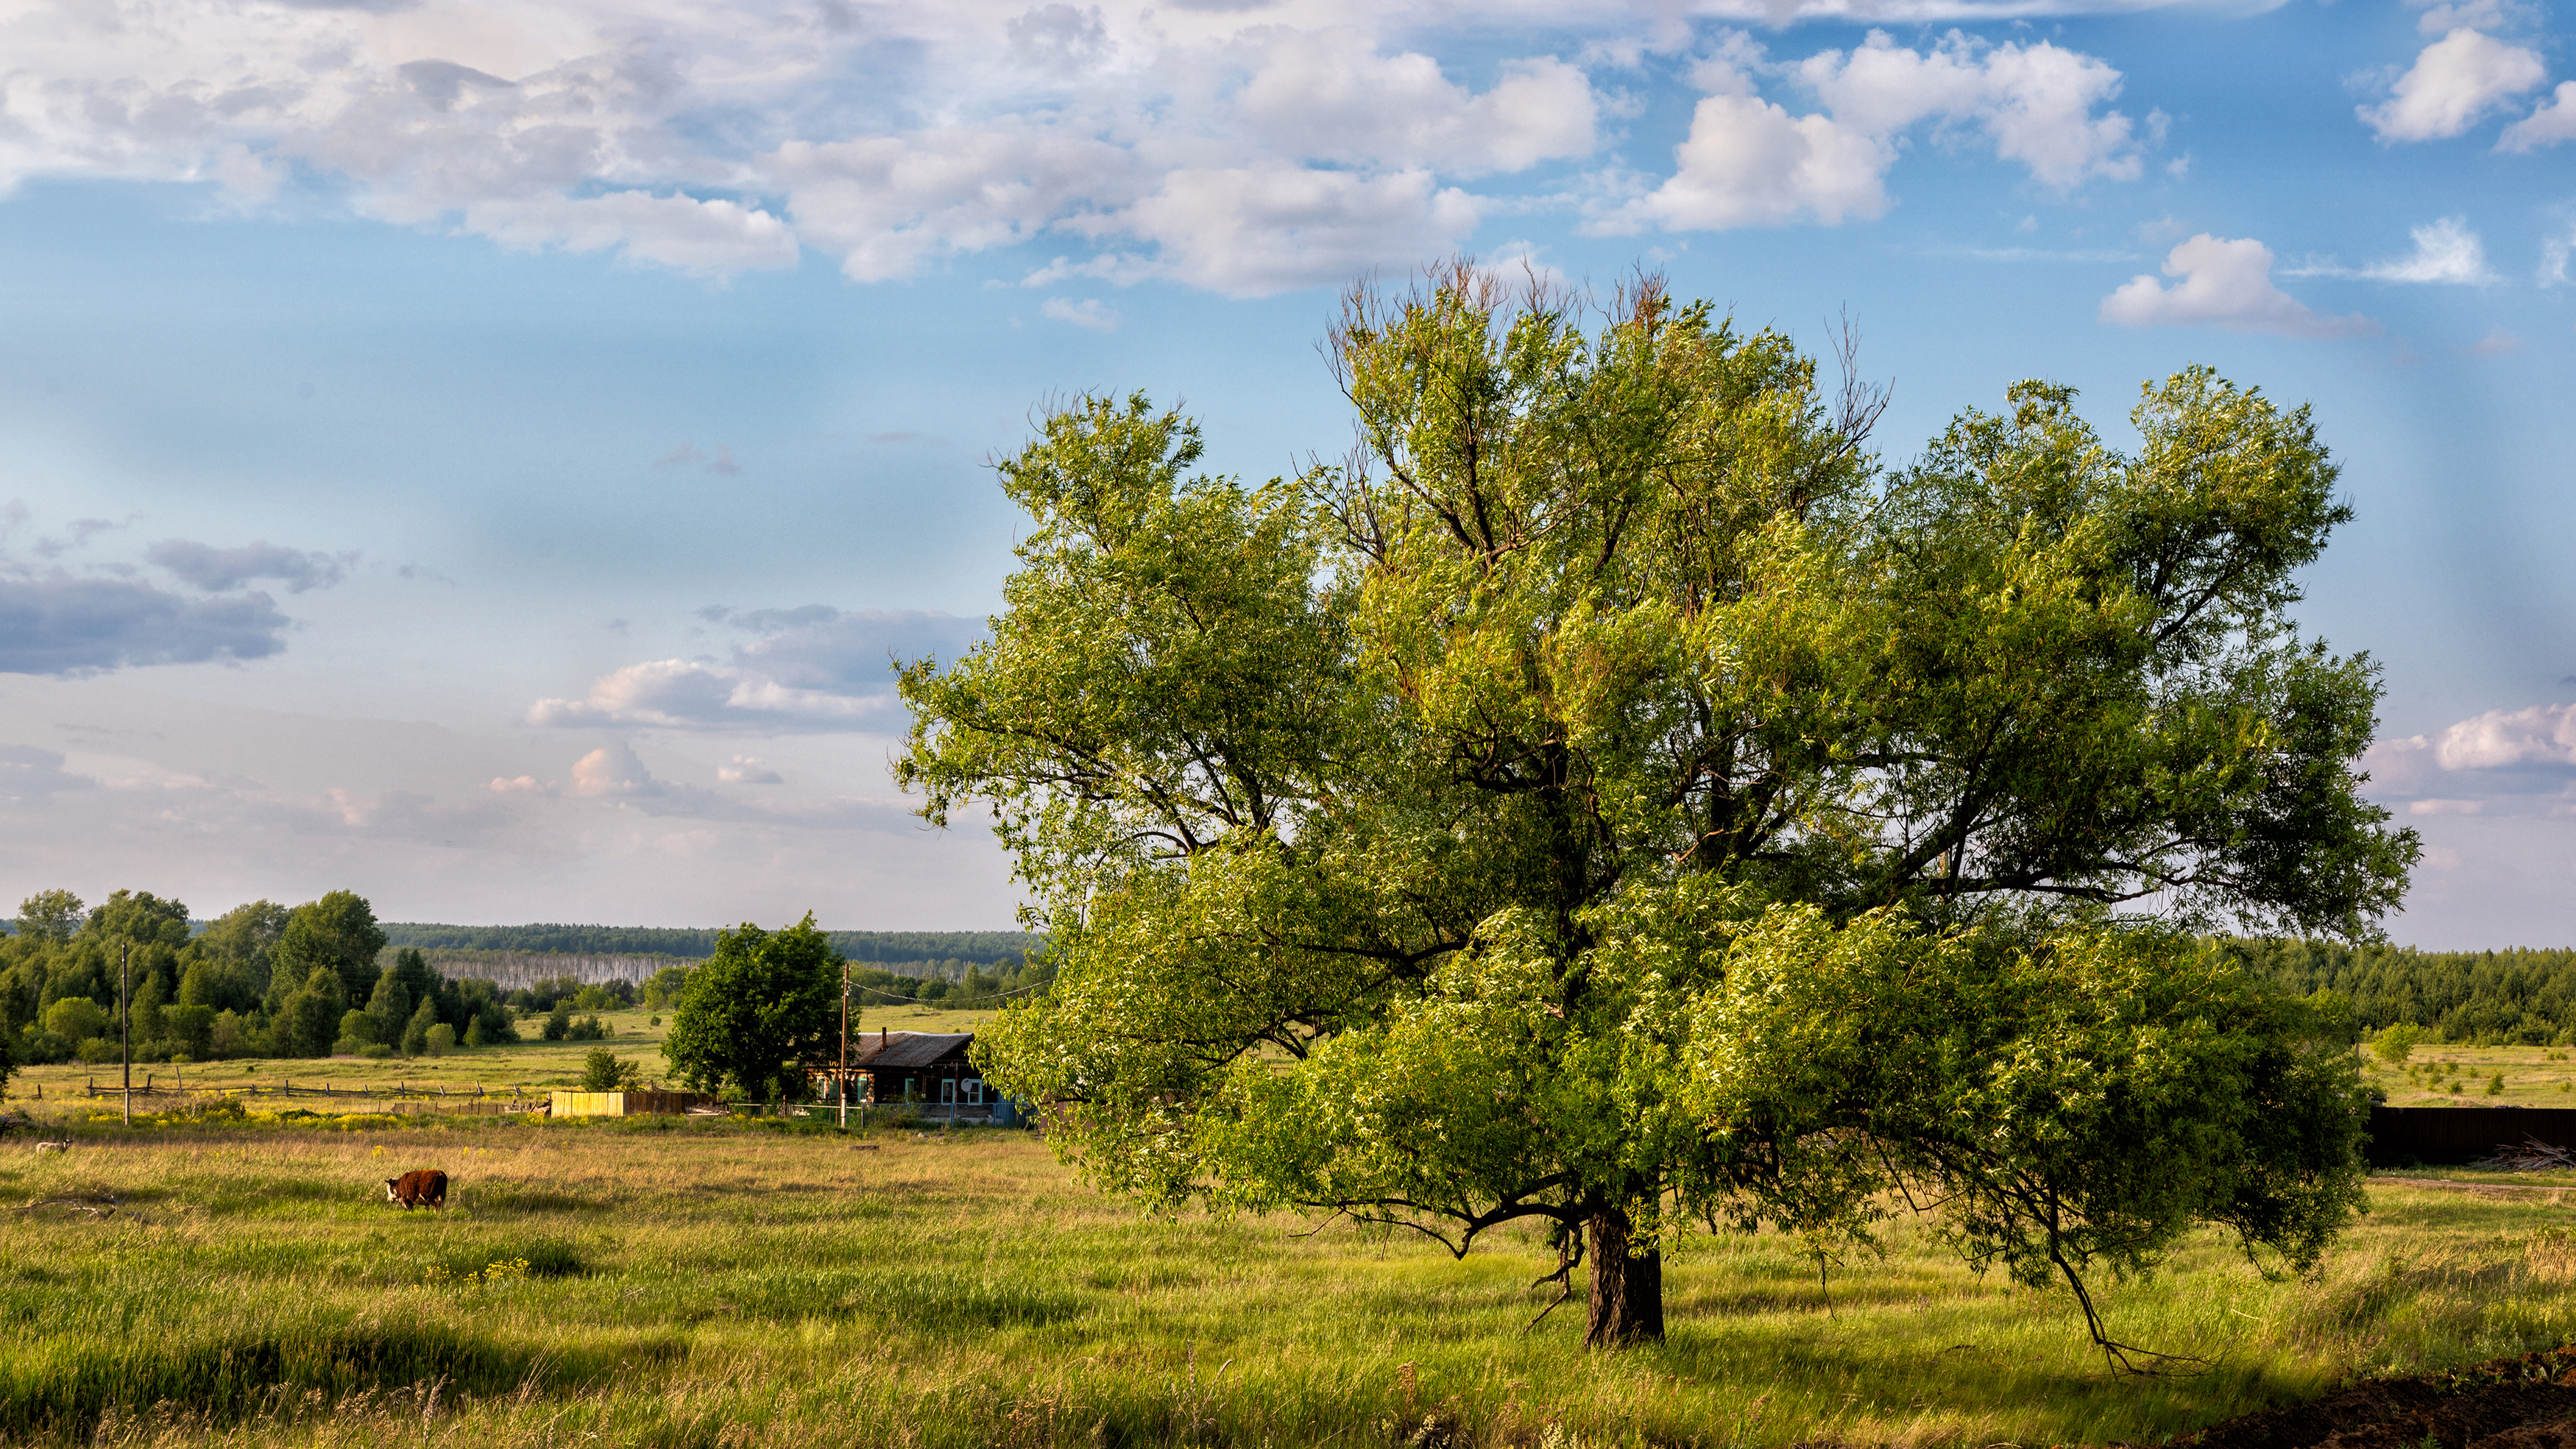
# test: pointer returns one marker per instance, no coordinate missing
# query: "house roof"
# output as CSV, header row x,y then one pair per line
x,y
910,1049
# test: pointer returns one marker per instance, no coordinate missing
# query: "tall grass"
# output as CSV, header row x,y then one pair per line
x,y
736,1287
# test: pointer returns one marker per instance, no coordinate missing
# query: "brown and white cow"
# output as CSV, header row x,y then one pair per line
x,y
424,1185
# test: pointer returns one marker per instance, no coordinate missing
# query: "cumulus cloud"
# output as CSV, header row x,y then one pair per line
x,y
221,570
1253,231
2500,739
1334,96
67,625
2502,762
613,770
2223,282
811,668
1244,148
2553,122
1750,162
748,771
2455,82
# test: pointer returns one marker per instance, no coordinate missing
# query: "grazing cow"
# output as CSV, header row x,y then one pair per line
x,y
420,1185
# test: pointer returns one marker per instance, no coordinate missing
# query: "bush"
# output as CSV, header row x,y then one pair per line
x,y
375,1051
559,1021
439,1040
588,1028
96,1050
601,1071
2397,1043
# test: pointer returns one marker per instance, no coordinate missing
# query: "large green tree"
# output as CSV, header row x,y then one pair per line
x,y
758,1013
1612,798
338,931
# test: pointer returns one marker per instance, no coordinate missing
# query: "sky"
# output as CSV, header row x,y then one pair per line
x,y
484,455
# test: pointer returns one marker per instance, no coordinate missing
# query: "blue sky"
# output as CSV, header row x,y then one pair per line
x,y
482,455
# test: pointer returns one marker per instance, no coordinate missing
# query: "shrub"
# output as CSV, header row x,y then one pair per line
x,y
2397,1042
601,1071
375,1051
439,1040
588,1028
559,1021
2495,1085
97,1049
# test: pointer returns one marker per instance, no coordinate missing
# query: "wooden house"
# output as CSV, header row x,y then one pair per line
x,y
924,1069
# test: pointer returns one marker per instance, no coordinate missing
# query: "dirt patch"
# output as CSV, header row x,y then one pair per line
x,y
2526,1402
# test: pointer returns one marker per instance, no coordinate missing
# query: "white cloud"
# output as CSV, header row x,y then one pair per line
x,y
889,204
2445,251
1254,231
2224,282
2455,82
2495,344
1333,96
1090,312
746,770
2553,258
2553,122
613,770
1242,147
2499,739
520,785
1750,162
813,668
2442,16
2036,103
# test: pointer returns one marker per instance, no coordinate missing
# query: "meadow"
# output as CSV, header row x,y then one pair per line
x,y
736,1282
635,1035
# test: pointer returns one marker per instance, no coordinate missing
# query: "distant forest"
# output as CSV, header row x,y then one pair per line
x,y
983,948
2490,998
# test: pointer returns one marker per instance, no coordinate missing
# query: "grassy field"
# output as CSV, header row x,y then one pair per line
x,y
2461,1075
735,1283
536,1065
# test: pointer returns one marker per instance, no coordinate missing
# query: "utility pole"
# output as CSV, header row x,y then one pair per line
x,y
125,1028
841,1089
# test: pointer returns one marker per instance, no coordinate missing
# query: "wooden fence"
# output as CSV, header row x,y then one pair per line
x,y
2430,1135
405,1098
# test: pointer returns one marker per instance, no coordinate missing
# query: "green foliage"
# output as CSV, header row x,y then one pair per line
x,y
2396,1043
438,1040
2493,998
988,948
76,1017
559,1021
415,1037
1406,834
760,1010
601,1071
49,916
308,1018
665,987
338,931
2495,1085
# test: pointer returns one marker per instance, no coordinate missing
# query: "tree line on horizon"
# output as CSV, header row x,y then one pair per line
x,y
2516,997
983,948
262,980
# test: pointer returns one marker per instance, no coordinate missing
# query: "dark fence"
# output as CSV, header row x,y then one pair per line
x,y
2403,1135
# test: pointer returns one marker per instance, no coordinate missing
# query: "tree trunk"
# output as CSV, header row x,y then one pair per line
x,y
1627,1290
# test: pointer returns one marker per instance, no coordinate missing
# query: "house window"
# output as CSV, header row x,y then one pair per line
x,y
948,1091
974,1090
